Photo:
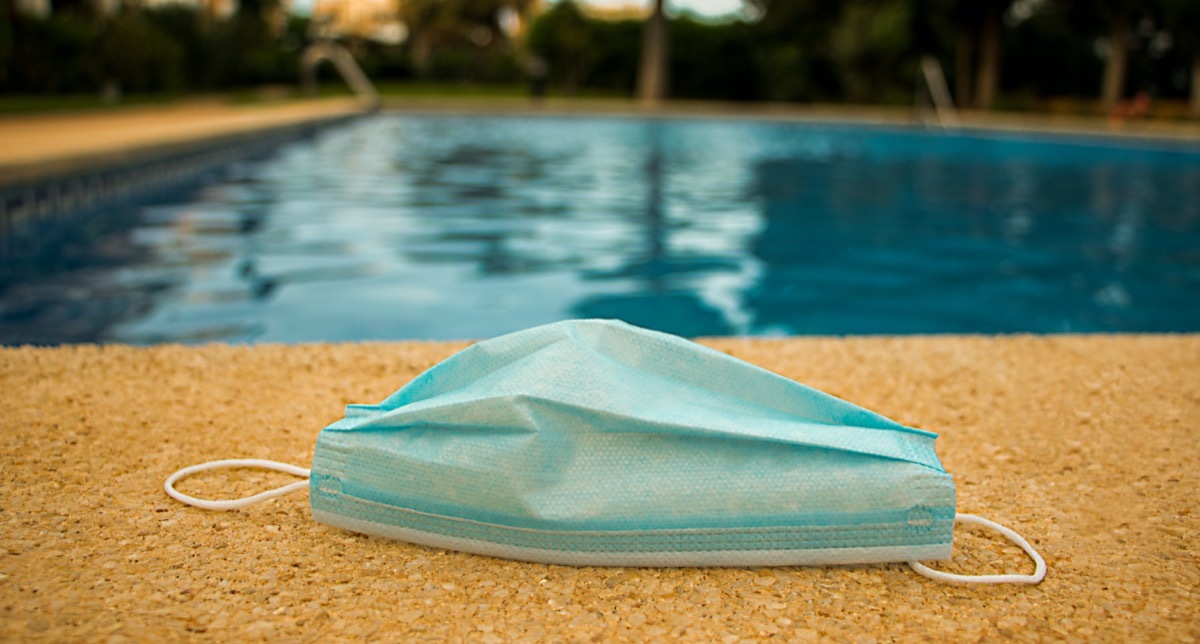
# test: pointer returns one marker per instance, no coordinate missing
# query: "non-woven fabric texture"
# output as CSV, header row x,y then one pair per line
x,y
594,442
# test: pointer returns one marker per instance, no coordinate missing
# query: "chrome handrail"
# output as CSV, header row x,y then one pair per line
x,y
938,91
343,61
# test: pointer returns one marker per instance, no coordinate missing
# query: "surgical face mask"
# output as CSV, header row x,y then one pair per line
x,y
598,443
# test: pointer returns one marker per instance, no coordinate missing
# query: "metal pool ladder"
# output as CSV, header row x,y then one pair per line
x,y
343,61
935,82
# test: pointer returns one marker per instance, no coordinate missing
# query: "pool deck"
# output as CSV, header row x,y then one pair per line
x,y
38,145
1087,445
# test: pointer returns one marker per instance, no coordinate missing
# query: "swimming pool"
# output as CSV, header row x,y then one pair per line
x,y
434,227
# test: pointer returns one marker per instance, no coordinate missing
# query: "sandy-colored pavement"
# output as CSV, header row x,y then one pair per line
x,y
33,144
1085,444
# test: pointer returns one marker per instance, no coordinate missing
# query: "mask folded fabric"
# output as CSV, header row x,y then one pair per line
x,y
594,442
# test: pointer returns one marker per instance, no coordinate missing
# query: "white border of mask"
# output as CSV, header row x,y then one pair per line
x,y
724,558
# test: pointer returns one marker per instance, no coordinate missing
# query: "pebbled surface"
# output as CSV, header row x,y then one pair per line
x,y
1087,445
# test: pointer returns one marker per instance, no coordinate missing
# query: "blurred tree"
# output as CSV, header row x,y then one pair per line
x,y
248,48
987,70
793,49
714,61
617,54
860,50
454,24
565,38
1183,21
8,19
257,12
868,46
978,33
426,25
653,79
139,56
1045,55
183,26
1120,15
48,55
74,8
1120,31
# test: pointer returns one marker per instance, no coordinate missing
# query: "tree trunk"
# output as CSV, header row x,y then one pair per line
x,y
1118,58
962,67
652,74
1196,85
987,76
422,53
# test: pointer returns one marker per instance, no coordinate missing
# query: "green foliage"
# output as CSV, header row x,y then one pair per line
x,y
619,45
473,65
806,50
182,27
568,41
139,56
384,62
50,56
460,39
1074,68
6,39
161,49
239,52
793,50
870,47
1183,17
709,61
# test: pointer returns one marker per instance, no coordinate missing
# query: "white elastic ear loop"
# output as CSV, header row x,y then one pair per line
x,y
234,504
1039,572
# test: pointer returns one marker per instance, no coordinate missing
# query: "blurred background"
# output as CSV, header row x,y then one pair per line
x,y
1122,57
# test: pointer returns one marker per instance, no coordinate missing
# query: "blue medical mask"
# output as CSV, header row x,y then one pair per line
x,y
598,443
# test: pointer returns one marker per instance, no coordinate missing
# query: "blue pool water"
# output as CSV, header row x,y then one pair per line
x,y
433,227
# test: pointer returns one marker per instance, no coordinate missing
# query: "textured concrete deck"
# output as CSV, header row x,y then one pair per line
x,y
1086,445
40,144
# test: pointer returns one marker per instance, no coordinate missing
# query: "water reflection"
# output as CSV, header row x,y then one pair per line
x,y
650,298
461,227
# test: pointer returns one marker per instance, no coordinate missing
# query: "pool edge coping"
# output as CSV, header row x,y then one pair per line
x,y
19,174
